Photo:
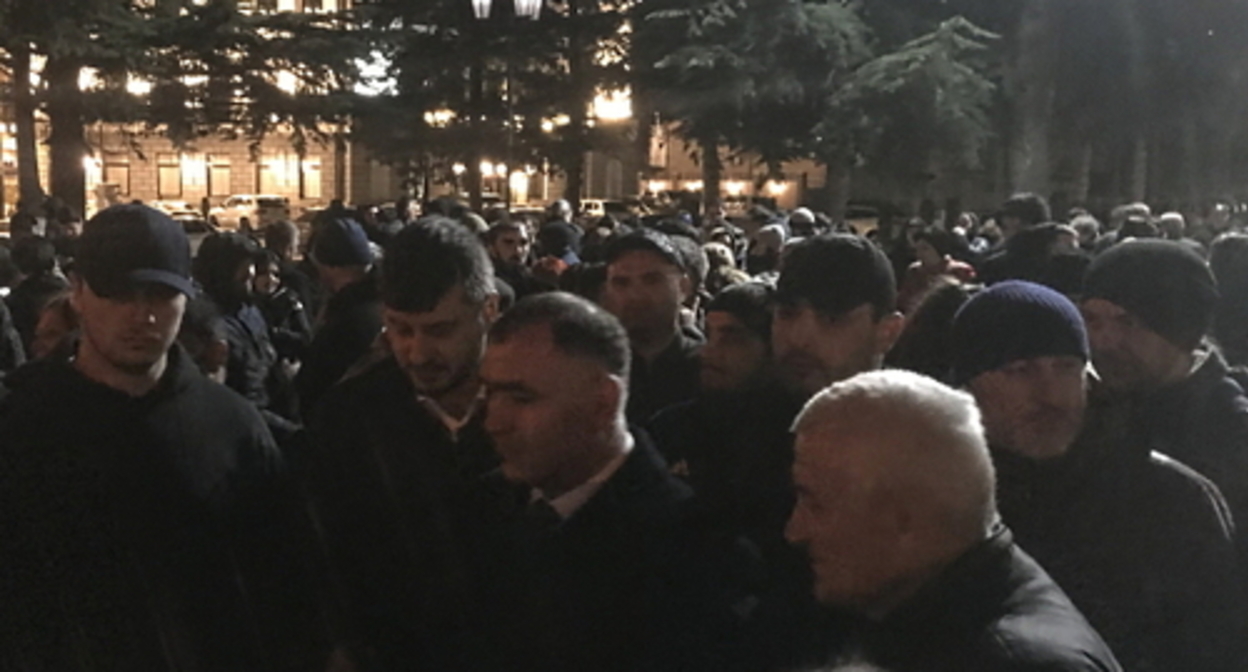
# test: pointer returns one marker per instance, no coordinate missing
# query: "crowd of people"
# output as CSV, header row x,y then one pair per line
x,y
465,442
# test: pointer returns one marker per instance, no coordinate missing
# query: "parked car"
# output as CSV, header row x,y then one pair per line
x,y
196,228
175,208
249,212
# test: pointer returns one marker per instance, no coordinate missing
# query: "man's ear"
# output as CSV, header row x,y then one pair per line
x,y
489,309
76,288
887,331
613,392
686,287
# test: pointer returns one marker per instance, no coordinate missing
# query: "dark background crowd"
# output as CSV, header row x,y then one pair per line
x,y
457,441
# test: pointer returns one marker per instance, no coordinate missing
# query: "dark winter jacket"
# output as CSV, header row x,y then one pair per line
x,y
12,352
1201,422
736,452
150,533
1142,544
343,333
670,379
633,581
399,502
993,610
252,356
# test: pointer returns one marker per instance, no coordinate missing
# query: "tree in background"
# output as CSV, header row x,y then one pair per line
x,y
212,69
793,79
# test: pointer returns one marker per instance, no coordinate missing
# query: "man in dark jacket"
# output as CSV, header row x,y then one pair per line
x,y
148,532
225,268
646,286
732,443
350,320
35,258
612,573
12,353
1148,306
395,467
896,510
1141,543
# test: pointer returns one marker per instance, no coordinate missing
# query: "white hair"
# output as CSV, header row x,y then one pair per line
x,y
936,455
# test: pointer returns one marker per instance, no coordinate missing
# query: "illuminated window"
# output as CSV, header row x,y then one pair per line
x,y
194,171
168,176
118,173
310,177
279,173
219,175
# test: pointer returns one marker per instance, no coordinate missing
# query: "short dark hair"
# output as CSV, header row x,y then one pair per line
x,y
694,259
644,240
835,273
499,228
430,258
577,327
1030,209
750,303
201,323
941,240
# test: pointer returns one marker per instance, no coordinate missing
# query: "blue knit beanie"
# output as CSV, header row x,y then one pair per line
x,y
1011,321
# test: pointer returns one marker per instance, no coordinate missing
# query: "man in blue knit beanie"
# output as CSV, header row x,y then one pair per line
x,y
1140,542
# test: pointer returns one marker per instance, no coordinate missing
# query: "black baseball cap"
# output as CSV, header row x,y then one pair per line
x,y
835,273
126,245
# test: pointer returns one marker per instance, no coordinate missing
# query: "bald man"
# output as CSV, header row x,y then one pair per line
x,y
896,509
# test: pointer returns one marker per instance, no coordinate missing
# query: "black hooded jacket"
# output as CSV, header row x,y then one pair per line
x,y
146,533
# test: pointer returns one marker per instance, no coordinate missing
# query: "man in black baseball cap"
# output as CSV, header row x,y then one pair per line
x,y
138,497
836,312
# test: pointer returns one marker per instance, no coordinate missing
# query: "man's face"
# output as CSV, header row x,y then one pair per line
x,y
814,350
1128,355
645,292
266,281
511,247
1033,407
441,349
544,407
734,357
130,332
927,255
840,517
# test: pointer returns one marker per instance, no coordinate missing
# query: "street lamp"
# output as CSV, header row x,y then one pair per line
x,y
525,9
529,9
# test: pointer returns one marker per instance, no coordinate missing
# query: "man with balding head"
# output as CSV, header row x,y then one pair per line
x,y
896,510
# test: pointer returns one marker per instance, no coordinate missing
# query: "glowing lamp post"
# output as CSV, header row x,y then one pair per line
x,y
525,9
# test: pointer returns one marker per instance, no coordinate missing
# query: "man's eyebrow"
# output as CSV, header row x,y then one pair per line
x,y
506,386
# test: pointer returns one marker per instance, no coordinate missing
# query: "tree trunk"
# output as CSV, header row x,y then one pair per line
x,y
30,190
1082,184
837,185
582,94
1139,170
1033,87
712,172
68,137
476,94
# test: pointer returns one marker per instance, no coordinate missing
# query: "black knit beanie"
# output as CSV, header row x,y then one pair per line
x,y
1011,321
1163,283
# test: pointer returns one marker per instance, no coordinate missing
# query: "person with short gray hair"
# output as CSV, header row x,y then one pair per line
x,y
895,508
